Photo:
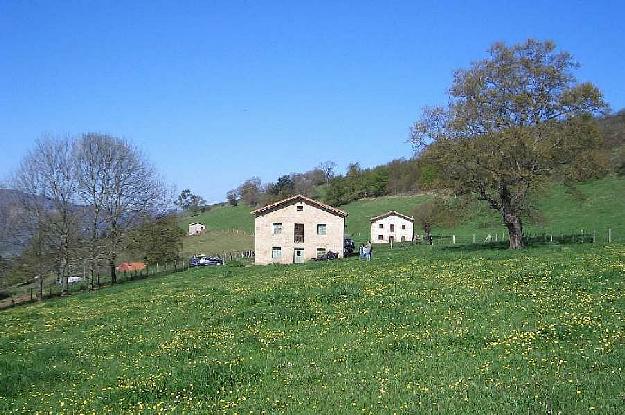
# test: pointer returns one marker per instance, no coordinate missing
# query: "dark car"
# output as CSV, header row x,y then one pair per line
x,y
327,256
203,260
211,260
348,247
194,262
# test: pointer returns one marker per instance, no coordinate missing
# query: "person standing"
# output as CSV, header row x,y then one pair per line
x,y
368,250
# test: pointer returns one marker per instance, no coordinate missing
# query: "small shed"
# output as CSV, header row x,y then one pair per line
x,y
196,228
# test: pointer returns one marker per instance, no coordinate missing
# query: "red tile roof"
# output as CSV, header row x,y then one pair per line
x,y
130,266
392,213
294,199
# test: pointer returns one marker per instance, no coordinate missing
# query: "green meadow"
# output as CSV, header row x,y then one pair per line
x,y
595,206
473,329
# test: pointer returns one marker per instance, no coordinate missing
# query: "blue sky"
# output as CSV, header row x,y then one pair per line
x,y
215,92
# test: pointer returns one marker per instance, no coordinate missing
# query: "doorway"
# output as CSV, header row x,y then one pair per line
x,y
298,255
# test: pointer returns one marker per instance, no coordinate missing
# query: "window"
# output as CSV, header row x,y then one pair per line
x,y
380,237
403,226
381,226
321,252
392,227
276,252
298,233
277,228
321,229
300,208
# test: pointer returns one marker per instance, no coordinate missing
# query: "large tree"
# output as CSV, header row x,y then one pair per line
x,y
133,192
513,120
49,199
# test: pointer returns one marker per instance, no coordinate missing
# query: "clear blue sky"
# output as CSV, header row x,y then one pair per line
x,y
217,91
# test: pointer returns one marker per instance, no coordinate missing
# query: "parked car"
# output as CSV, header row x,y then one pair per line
x,y
211,260
203,260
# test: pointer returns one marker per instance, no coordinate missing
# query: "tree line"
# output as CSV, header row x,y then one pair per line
x,y
86,200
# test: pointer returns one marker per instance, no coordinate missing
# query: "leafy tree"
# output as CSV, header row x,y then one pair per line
x,y
188,201
232,197
250,191
156,240
514,120
283,187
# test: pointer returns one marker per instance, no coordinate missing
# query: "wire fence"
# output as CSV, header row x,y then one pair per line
x,y
535,236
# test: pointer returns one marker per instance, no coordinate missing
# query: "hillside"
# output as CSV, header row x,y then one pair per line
x,y
417,330
594,206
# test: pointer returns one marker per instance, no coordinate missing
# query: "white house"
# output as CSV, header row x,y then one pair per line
x,y
392,226
196,228
297,229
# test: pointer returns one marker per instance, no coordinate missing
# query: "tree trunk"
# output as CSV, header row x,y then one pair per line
x,y
427,229
515,230
113,273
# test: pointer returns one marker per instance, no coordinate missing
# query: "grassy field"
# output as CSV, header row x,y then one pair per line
x,y
416,330
216,242
595,207
222,218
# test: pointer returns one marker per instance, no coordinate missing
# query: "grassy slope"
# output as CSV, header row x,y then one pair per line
x,y
602,208
228,229
417,330
221,218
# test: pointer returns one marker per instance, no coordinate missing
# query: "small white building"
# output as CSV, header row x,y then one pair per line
x,y
392,226
297,229
196,228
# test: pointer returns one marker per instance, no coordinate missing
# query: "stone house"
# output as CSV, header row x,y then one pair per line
x,y
196,228
297,229
392,226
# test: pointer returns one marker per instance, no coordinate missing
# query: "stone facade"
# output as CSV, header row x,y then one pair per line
x,y
392,225
278,236
196,228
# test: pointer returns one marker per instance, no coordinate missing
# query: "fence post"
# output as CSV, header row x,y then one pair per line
x,y
453,239
31,294
473,238
496,236
609,235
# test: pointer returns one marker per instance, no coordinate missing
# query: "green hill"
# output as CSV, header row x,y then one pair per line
x,y
416,330
594,207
